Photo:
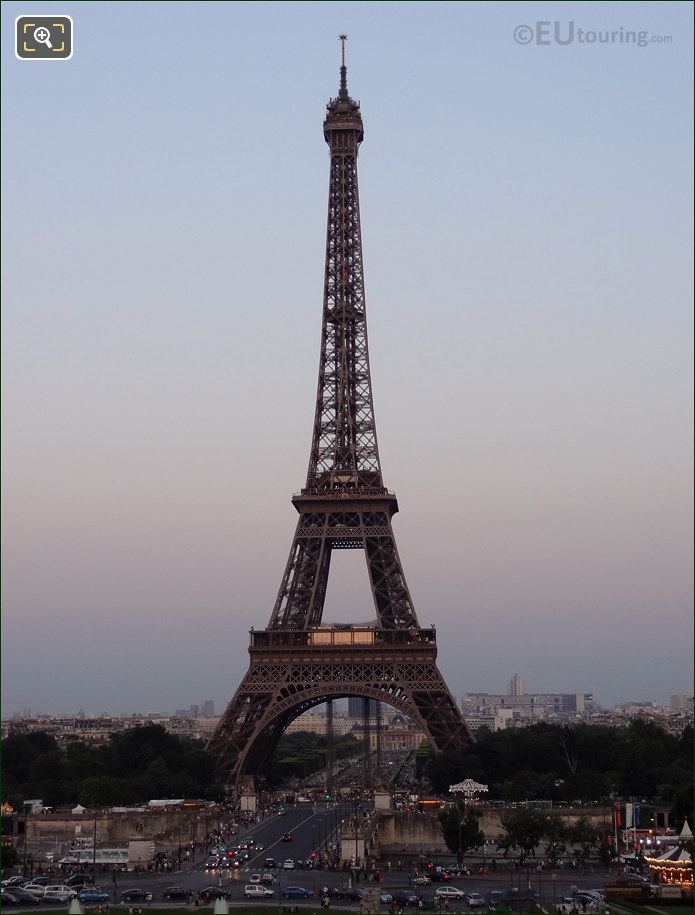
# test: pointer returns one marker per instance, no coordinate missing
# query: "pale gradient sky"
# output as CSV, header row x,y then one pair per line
x,y
526,222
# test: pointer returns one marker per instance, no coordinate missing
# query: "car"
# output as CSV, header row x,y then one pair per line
x,y
214,892
61,888
78,880
55,896
268,877
256,891
385,898
24,897
296,892
288,864
449,892
270,862
474,900
7,898
422,880
212,864
496,897
281,811
42,881
405,897
258,846
288,837
38,889
92,895
14,881
136,895
255,878
176,892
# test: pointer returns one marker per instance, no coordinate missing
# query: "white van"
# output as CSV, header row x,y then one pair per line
x,y
257,891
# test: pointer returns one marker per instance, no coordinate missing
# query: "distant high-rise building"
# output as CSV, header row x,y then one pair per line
x,y
516,686
355,707
682,702
194,711
208,709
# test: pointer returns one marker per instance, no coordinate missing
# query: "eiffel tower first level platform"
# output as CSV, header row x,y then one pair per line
x,y
297,662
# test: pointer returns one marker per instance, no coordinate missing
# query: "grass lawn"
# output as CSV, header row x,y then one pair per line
x,y
654,908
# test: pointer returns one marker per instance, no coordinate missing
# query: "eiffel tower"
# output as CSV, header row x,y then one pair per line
x,y
296,662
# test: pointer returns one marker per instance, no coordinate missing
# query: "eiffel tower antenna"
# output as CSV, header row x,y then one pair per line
x,y
343,68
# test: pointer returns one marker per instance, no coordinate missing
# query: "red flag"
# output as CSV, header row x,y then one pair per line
x,y
618,814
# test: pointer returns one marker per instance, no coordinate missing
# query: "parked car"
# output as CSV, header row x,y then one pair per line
x,y
61,888
257,891
255,878
42,881
172,893
449,892
78,880
14,881
288,865
297,892
136,895
475,900
496,897
268,877
38,889
25,898
7,898
92,895
422,880
405,897
53,896
385,898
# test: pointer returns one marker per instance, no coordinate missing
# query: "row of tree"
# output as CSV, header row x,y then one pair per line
x,y
301,754
583,763
132,768
528,832
140,764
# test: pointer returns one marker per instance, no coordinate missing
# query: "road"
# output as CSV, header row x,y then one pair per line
x,y
303,822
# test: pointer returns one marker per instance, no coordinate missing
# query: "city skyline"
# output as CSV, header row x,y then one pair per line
x,y
528,284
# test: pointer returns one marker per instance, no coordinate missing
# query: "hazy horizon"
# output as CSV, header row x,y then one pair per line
x,y
527,237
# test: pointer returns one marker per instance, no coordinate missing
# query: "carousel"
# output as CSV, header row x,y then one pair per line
x,y
675,866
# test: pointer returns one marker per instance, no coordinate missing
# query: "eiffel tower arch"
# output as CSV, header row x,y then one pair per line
x,y
297,662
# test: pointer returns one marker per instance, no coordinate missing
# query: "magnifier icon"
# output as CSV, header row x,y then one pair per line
x,y
43,36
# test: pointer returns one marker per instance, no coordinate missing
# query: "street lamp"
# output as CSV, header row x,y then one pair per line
x,y
94,851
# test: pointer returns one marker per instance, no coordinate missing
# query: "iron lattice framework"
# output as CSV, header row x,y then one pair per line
x,y
344,505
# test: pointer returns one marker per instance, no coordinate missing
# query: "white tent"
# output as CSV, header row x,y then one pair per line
x,y
79,809
686,832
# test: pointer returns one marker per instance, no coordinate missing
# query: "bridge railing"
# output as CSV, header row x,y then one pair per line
x,y
350,637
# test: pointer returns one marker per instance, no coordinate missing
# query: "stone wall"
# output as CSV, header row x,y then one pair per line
x,y
115,829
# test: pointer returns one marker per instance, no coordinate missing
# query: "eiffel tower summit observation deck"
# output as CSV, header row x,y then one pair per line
x,y
296,662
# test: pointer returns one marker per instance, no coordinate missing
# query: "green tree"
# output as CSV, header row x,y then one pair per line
x,y
461,830
584,837
524,829
8,855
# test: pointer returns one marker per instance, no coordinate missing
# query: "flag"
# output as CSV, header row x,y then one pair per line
x,y
629,816
616,814
637,808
